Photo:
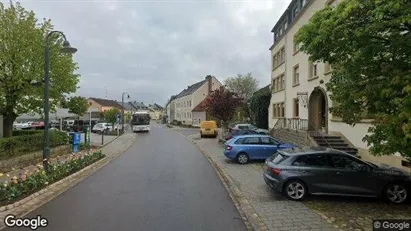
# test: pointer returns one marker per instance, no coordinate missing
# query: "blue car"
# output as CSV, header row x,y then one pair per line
x,y
252,147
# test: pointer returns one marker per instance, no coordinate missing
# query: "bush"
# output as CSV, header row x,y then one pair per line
x,y
23,144
28,183
27,132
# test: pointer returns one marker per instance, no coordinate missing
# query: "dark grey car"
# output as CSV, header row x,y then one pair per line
x,y
298,172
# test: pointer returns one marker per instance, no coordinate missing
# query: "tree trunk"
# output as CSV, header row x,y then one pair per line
x,y
8,125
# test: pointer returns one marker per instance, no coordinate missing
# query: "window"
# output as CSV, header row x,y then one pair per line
x,y
279,58
296,75
318,160
285,25
268,141
252,140
90,103
281,31
295,11
296,46
282,81
304,2
313,72
278,83
239,141
346,162
327,68
274,85
278,110
296,108
333,3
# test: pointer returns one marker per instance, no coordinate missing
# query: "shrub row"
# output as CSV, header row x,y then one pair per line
x,y
28,183
27,132
23,144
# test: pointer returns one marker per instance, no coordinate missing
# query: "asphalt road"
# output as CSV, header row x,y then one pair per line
x,y
161,183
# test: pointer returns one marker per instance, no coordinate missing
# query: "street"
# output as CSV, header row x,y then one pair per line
x,y
161,183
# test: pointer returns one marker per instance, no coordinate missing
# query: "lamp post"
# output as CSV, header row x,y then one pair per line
x,y
122,112
68,50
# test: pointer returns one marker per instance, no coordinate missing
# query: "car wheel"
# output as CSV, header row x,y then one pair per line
x,y
396,193
295,190
242,158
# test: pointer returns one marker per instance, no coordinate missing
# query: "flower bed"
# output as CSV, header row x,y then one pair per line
x,y
28,183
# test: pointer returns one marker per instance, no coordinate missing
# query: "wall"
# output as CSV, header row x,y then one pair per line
x,y
183,111
197,116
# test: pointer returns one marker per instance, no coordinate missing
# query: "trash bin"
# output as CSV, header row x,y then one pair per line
x,y
76,141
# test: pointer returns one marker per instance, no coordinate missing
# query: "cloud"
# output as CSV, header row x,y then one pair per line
x,y
153,49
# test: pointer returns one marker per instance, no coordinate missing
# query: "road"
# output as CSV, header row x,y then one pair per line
x,y
161,183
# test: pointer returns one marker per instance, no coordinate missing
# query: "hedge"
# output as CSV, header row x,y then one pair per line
x,y
23,144
26,132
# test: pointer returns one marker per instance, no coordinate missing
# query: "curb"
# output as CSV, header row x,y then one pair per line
x,y
26,205
249,216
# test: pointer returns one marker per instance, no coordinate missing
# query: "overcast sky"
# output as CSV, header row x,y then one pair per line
x,y
153,49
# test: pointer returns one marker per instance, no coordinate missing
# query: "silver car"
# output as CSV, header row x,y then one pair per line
x,y
298,172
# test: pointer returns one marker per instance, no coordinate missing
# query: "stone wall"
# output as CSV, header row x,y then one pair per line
x,y
299,138
31,158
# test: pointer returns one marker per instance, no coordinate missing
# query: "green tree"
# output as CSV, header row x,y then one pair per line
x,y
110,116
259,103
368,44
78,105
21,63
64,102
221,105
242,85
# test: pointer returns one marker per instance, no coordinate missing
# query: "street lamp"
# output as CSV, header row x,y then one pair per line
x,y
122,113
68,50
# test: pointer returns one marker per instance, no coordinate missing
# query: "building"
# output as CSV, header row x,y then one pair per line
x,y
192,96
299,97
140,106
129,108
171,109
103,105
156,111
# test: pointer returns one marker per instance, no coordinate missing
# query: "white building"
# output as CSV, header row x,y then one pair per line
x,y
189,98
298,85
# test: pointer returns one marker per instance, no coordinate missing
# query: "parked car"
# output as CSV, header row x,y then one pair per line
x,y
208,128
37,125
252,147
101,127
21,125
251,127
301,171
237,132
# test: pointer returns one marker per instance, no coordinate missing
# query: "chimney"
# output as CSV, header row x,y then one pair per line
x,y
209,79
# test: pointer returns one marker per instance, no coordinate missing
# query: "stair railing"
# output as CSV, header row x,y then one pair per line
x,y
313,131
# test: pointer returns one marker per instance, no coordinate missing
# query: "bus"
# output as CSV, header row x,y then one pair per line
x,y
140,122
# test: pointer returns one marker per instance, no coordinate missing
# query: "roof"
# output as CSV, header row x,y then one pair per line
x,y
201,106
107,102
191,89
139,105
128,106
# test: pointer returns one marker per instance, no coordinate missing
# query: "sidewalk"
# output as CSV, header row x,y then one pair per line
x,y
276,212
117,145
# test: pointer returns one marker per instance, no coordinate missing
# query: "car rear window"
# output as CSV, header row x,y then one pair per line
x,y
239,141
278,158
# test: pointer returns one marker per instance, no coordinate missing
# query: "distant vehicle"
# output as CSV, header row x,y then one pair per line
x,y
101,127
324,171
21,125
252,147
37,125
237,132
250,127
140,122
208,128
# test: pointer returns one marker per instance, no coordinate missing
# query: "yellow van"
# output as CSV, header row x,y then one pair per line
x,y
208,128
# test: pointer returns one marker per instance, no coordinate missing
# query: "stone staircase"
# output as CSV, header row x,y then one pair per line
x,y
333,141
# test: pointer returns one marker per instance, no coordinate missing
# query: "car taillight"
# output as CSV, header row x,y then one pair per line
x,y
275,171
229,148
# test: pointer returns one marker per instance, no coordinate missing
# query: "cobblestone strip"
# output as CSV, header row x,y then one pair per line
x,y
247,213
32,202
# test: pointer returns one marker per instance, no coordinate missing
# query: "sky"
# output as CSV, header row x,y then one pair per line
x,y
154,49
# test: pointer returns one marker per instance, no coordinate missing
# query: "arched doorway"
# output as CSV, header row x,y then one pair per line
x,y
318,110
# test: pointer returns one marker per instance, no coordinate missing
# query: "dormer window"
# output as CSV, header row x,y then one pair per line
x,y
295,11
304,2
285,25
